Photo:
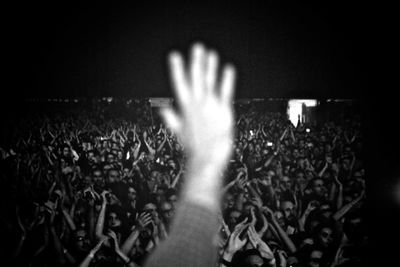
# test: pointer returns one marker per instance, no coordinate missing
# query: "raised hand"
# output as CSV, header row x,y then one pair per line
x,y
205,124
235,243
258,243
312,205
143,220
113,236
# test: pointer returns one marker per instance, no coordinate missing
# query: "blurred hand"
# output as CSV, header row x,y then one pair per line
x,y
205,122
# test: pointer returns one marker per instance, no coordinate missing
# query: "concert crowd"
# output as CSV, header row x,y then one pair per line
x,y
98,185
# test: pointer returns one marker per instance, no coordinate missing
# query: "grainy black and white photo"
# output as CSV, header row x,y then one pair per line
x,y
219,134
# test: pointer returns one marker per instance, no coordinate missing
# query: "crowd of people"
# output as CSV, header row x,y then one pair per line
x,y
92,186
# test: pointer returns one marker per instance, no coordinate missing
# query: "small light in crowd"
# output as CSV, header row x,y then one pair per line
x,y
270,144
308,130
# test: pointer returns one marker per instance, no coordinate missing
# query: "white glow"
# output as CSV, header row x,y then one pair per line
x,y
295,108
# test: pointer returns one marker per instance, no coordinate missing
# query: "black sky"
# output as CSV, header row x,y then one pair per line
x,y
285,50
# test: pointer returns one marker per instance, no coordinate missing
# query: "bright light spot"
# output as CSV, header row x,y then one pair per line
x,y
295,108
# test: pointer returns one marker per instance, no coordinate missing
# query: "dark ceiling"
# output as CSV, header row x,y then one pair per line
x,y
285,50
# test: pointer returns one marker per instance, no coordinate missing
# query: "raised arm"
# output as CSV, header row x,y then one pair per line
x,y
100,221
205,127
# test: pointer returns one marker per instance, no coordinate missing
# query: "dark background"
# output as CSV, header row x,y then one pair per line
x,y
308,49
318,49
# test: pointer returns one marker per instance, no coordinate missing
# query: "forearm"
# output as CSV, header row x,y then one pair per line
x,y
193,223
100,221
339,199
302,220
203,184
176,180
57,245
69,220
322,171
122,256
86,262
130,241
340,213
285,238
19,246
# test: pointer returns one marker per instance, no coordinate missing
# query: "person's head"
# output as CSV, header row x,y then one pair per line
x,y
314,258
171,164
300,163
248,258
105,144
87,181
286,183
318,187
65,151
228,201
233,216
254,261
295,153
112,176
328,148
309,175
324,237
354,227
240,145
280,218
81,240
288,210
257,148
250,147
132,194
90,155
114,146
110,158
120,155
98,177
326,210
167,212
160,195
106,167
172,197
113,219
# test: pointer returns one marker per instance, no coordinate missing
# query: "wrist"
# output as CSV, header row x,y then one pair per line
x,y
227,256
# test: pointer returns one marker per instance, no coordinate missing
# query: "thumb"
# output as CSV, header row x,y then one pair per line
x,y
171,119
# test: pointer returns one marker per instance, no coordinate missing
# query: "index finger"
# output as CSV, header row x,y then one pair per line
x,y
178,77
